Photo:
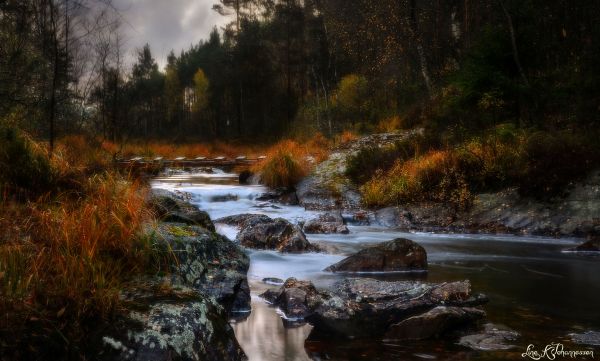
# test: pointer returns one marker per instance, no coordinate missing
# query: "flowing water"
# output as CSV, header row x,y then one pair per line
x,y
534,287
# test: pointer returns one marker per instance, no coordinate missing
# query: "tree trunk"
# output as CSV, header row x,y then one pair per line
x,y
414,28
513,42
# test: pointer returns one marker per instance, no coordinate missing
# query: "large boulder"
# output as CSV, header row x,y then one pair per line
x,y
170,207
208,262
434,323
368,308
397,255
325,224
262,232
168,323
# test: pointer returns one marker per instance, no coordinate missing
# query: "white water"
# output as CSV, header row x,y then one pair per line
x,y
522,275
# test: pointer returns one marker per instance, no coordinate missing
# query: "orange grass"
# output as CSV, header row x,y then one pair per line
x,y
65,256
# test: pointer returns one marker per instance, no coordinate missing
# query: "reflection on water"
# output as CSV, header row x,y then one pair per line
x,y
533,287
264,337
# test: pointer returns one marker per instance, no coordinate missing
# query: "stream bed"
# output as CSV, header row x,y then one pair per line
x,y
534,287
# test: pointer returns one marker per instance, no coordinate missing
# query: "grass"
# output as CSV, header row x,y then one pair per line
x,y
541,165
289,161
66,253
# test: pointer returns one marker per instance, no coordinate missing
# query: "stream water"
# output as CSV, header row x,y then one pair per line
x,y
534,287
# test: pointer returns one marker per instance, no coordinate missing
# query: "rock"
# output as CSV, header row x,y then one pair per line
x,y
244,220
273,281
224,198
314,196
434,323
245,177
262,232
492,338
326,224
171,208
294,298
592,245
178,323
367,308
591,338
397,255
280,195
209,263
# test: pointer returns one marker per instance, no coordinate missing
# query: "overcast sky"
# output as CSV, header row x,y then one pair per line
x,y
166,24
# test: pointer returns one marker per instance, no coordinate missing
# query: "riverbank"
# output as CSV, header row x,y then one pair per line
x,y
572,213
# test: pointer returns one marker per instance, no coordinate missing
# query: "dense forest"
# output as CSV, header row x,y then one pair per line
x,y
302,66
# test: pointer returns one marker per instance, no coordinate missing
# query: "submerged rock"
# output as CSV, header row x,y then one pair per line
x,y
326,224
591,338
170,323
491,338
208,262
262,232
397,255
172,208
273,281
434,323
280,195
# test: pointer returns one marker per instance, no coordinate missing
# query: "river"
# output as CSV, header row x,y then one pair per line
x,y
534,287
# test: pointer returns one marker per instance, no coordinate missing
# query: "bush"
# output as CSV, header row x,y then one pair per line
x,y
286,165
554,160
24,165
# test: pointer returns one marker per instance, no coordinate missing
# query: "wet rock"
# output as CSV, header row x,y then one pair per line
x,y
491,338
397,255
280,195
245,177
224,198
273,281
262,232
294,298
169,323
244,220
172,208
208,262
434,323
367,308
591,338
592,245
326,224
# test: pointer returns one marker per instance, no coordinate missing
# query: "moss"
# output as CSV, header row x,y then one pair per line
x,y
181,231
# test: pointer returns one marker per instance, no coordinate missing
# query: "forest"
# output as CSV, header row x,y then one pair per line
x,y
481,96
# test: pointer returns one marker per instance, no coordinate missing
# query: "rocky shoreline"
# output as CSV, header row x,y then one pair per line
x,y
184,313
502,212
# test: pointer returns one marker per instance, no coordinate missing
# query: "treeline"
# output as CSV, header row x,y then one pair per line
x,y
290,66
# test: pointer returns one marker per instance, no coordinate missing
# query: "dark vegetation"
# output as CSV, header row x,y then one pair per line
x,y
507,93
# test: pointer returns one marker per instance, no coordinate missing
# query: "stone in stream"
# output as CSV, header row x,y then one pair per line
x,y
491,338
325,224
263,232
171,208
273,281
591,338
591,245
399,254
433,323
294,298
367,308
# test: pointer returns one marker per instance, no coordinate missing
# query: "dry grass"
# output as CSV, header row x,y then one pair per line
x,y
289,161
65,256
389,125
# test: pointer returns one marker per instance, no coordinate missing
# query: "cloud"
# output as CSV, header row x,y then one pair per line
x,y
166,25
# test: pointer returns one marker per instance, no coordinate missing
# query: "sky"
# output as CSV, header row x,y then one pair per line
x,y
166,25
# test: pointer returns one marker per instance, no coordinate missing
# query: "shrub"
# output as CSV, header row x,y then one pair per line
x,y
286,165
24,165
554,160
